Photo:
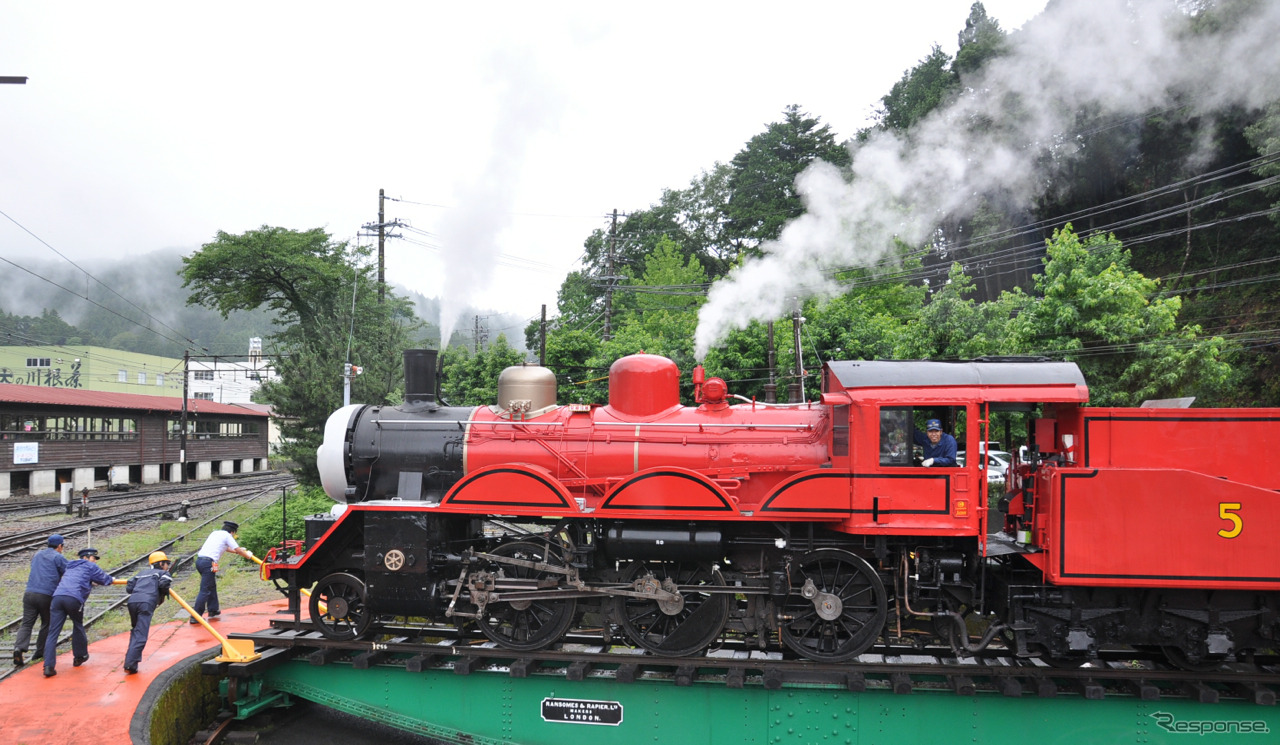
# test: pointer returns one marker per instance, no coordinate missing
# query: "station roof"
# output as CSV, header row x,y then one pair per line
x,y
38,395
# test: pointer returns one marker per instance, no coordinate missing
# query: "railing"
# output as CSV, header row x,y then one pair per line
x,y
53,435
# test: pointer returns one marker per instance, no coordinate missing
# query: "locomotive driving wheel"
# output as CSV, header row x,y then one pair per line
x,y
526,625
338,607
836,608
1186,659
679,626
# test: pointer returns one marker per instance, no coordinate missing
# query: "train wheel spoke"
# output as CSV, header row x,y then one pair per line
x,y
673,629
338,607
535,625
853,606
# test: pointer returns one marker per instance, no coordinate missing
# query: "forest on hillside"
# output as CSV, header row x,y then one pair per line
x,y
140,305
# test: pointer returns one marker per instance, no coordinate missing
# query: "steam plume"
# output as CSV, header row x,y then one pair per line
x,y
1002,138
470,232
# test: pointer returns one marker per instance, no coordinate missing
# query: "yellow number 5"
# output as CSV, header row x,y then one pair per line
x,y
1225,512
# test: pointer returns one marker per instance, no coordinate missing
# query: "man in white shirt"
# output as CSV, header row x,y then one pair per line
x,y
218,543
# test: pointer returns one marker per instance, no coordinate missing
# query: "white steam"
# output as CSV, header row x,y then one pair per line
x,y
470,231
1002,139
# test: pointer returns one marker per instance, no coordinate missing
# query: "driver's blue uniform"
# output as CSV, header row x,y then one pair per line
x,y
943,454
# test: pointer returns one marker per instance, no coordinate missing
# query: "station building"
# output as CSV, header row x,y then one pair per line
x,y
54,437
88,416
231,380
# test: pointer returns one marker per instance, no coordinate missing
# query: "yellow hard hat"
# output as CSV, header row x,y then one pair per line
x,y
156,557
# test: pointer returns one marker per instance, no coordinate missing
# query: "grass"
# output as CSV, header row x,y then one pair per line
x,y
238,583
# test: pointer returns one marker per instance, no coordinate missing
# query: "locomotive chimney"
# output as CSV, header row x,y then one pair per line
x,y
419,377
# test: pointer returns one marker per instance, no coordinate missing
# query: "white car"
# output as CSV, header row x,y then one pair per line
x,y
997,465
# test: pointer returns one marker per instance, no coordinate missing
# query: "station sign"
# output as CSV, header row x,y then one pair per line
x,y
25,453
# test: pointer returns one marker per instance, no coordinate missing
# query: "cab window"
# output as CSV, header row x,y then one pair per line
x,y
899,424
895,436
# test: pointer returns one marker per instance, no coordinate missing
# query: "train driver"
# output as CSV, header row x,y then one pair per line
x,y
939,447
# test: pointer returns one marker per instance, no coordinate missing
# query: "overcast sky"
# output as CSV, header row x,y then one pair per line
x,y
506,129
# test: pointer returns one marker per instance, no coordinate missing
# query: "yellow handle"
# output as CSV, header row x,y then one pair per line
x,y
233,650
323,607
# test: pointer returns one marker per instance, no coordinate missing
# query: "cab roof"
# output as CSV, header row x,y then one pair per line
x,y
1017,379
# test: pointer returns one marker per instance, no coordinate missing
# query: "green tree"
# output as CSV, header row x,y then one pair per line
x,y
762,186
570,355
922,89
1095,310
954,326
46,328
325,298
742,361
699,209
472,379
1264,136
980,41
263,532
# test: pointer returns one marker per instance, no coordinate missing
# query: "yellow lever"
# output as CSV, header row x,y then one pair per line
x,y
233,650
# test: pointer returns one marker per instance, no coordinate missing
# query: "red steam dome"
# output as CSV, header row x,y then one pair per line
x,y
643,385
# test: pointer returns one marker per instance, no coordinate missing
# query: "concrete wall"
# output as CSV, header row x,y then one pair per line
x,y
44,482
82,478
118,475
151,474
5,492
204,470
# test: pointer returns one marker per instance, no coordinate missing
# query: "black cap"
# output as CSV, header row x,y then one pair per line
x,y
230,527
87,552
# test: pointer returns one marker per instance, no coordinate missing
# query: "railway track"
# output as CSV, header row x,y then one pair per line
x,y
28,540
52,506
899,670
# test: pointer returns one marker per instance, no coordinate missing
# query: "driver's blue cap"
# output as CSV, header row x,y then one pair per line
x,y
933,424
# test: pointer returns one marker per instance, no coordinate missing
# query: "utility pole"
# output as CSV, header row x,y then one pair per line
x,y
382,226
542,338
795,391
382,240
771,388
608,292
182,436
481,335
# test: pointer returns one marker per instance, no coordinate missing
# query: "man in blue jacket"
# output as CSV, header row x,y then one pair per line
x,y
147,589
47,567
68,602
939,447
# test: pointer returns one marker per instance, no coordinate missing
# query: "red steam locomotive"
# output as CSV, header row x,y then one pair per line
x,y
807,525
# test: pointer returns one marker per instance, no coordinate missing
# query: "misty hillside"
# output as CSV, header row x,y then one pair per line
x,y
138,304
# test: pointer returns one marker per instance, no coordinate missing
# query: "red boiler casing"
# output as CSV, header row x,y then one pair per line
x,y
644,455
